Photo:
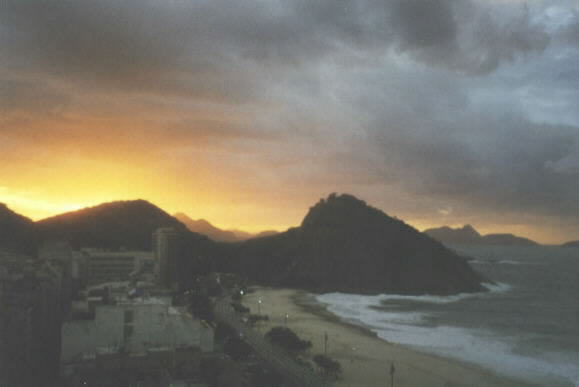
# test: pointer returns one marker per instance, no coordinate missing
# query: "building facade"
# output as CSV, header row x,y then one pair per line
x,y
139,333
170,248
99,265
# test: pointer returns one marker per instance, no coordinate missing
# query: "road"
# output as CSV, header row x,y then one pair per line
x,y
292,372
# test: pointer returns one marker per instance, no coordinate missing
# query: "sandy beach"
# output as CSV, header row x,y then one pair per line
x,y
365,359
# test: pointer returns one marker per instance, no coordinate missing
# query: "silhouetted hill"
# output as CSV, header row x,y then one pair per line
x,y
445,234
265,233
241,235
506,240
571,244
17,232
202,226
121,224
345,245
468,235
244,235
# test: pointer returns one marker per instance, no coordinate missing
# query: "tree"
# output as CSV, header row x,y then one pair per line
x,y
201,306
238,308
223,332
287,339
261,376
253,318
237,349
329,367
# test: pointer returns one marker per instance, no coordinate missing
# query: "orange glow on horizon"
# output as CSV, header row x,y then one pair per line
x,y
224,216
37,207
204,177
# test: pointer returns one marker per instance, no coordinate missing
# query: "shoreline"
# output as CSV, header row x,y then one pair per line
x,y
365,358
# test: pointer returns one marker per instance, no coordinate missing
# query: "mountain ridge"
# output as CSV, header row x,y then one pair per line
x,y
468,235
17,232
571,244
203,226
345,245
342,244
118,224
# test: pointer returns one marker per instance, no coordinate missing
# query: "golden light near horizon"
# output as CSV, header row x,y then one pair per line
x,y
38,208
219,211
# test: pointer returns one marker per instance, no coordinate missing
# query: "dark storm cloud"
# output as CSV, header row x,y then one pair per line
x,y
139,43
495,160
466,102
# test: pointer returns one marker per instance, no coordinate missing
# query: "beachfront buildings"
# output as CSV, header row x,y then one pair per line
x,y
134,333
90,266
100,265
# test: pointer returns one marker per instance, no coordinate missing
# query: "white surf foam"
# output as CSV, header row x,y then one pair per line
x,y
509,262
356,301
499,262
476,346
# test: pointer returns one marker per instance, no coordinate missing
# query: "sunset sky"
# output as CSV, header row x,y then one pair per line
x,y
247,112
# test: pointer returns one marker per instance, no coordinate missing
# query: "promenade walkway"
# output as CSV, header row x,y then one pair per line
x,y
292,372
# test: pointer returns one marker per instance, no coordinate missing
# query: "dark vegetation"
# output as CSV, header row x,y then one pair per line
x,y
247,369
260,376
254,318
201,305
223,372
287,339
222,332
238,308
329,367
237,349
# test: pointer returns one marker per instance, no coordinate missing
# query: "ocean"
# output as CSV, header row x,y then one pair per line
x,y
526,326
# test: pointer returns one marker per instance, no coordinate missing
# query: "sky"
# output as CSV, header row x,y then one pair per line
x,y
247,113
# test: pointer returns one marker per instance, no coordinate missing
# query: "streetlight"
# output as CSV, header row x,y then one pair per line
x,y
259,307
286,317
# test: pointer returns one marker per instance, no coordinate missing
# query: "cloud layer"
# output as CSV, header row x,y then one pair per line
x,y
422,107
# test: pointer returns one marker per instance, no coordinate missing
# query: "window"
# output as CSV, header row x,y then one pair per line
x,y
129,316
128,331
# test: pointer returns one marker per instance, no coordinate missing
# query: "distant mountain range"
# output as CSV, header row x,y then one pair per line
x,y
468,235
571,244
202,226
342,245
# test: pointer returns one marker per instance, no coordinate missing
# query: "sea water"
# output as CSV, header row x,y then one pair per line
x,y
526,326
